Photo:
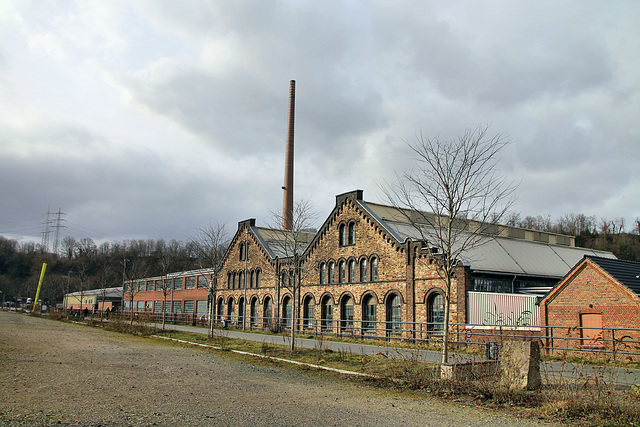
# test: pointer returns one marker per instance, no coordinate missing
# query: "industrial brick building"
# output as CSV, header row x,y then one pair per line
x,y
184,292
366,271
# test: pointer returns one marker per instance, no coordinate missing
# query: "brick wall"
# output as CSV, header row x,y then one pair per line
x,y
588,290
402,270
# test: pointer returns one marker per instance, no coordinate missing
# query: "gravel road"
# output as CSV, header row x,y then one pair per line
x,y
54,373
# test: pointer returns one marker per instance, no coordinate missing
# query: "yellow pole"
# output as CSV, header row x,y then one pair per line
x,y
44,267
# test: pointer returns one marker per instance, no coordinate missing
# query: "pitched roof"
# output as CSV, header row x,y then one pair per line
x,y
281,243
115,292
494,253
626,273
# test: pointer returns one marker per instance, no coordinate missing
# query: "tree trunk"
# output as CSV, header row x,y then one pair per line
x,y
164,311
445,331
293,318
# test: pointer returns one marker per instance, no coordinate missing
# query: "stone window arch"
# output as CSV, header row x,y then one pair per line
x,y
342,235
326,313
394,313
231,315
287,312
363,270
253,312
346,314
267,307
351,233
323,273
308,308
220,313
374,269
332,272
435,312
369,312
351,271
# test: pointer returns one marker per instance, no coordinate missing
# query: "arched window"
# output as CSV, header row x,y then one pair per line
x,y
241,310
241,251
394,314
268,309
229,281
220,310
341,271
435,313
241,280
351,271
307,312
342,233
369,316
257,278
363,270
332,273
286,312
323,273
374,269
253,315
352,233
231,315
346,314
326,308
235,281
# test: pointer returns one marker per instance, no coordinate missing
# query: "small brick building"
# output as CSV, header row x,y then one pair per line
x,y
598,293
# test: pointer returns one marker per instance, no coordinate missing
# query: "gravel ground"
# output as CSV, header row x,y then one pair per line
x,y
55,373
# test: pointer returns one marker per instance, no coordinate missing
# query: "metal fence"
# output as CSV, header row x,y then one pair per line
x,y
614,343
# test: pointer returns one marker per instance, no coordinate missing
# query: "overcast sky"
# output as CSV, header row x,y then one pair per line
x,y
151,119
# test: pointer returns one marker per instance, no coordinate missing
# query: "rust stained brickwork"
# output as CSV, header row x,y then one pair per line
x,y
590,290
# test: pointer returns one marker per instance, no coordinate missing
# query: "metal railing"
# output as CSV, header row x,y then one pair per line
x,y
615,343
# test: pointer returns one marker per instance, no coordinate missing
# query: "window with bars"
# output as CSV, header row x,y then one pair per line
x,y
369,313
326,312
346,315
394,314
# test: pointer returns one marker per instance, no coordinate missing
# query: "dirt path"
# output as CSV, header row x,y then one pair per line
x,y
52,373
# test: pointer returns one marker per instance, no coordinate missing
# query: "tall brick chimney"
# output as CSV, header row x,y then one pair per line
x,y
287,203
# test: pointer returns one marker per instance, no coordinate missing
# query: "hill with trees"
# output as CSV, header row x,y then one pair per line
x,y
82,264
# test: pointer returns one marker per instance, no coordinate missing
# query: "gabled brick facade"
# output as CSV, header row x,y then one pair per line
x,y
404,275
590,290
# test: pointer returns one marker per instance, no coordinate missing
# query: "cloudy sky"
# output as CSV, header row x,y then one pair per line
x,y
151,119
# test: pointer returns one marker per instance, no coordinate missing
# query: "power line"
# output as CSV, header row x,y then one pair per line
x,y
46,231
58,226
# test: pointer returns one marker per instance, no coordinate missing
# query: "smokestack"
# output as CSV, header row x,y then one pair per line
x,y
287,203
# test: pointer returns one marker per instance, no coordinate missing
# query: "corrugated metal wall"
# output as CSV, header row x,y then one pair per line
x,y
488,308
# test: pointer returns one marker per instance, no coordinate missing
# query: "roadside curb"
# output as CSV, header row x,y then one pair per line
x,y
262,356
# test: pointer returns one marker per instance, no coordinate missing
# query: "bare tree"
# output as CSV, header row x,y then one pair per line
x,y
291,245
106,275
453,198
211,243
134,268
